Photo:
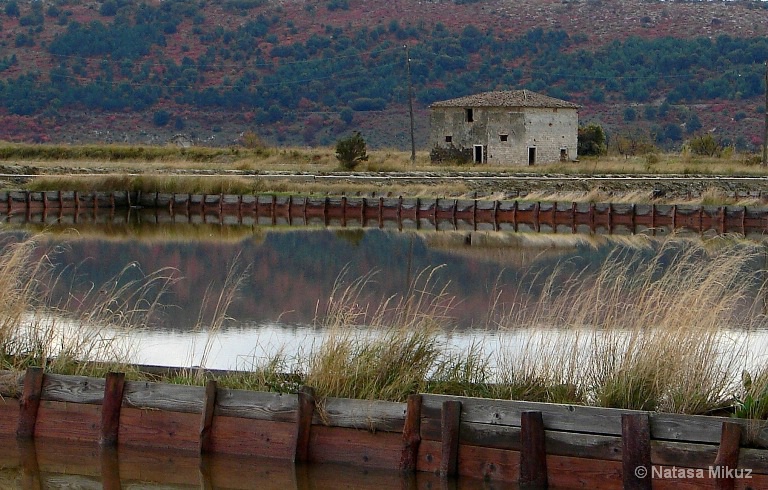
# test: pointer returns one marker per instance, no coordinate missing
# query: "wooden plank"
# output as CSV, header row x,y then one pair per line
x,y
163,396
411,434
690,428
304,423
252,437
489,464
276,407
578,418
157,428
533,453
9,416
451,420
206,421
29,402
474,461
110,408
755,459
592,445
372,415
68,421
570,472
358,447
636,452
727,456
11,384
75,389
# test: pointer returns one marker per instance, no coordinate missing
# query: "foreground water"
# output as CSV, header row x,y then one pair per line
x,y
50,464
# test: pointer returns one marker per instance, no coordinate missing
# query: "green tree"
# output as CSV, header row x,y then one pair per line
x,y
591,140
351,151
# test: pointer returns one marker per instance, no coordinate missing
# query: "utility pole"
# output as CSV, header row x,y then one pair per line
x,y
765,124
410,104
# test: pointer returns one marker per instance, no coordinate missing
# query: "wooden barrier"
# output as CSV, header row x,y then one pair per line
x,y
438,214
535,444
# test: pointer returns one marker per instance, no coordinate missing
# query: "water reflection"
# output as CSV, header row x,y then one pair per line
x,y
290,275
44,464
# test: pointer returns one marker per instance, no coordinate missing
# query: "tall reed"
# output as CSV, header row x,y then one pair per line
x,y
87,332
648,329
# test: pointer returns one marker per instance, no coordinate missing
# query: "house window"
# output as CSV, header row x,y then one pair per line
x,y
448,139
503,137
470,115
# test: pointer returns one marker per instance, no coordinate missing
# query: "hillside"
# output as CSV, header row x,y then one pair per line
x,y
302,72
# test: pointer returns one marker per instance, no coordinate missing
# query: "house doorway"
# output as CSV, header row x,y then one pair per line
x,y
478,153
532,155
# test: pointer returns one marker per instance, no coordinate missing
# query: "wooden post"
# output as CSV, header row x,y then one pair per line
x,y
744,220
636,451
449,426
30,470
496,215
362,212
110,468
29,403
514,216
411,434
536,212
610,218
722,218
344,211
381,212
206,421
325,211
674,217
110,409
592,216
533,452
290,209
304,415
273,209
573,217
727,458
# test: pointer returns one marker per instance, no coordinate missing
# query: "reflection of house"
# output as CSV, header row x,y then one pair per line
x,y
516,127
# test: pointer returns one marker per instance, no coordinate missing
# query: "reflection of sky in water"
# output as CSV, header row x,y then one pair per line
x,y
249,345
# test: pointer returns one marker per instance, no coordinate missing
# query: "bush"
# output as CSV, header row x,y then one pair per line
x,y
161,118
706,145
591,140
351,151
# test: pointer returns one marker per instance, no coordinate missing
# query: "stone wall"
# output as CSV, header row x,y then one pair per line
x,y
507,133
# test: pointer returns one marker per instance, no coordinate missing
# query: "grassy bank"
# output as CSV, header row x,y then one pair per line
x,y
254,159
647,330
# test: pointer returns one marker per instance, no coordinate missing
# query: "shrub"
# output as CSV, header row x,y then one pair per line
x,y
351,151
591,140
706,145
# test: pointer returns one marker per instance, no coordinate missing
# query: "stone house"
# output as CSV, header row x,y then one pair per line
x,y
514,127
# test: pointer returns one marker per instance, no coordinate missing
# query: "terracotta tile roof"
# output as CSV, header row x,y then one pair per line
x,y
506,98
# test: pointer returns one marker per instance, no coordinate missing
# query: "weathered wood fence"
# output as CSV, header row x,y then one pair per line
x,y
556,217
535,444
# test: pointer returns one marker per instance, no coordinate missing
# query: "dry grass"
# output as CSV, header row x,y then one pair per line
x,y
93,326
654,337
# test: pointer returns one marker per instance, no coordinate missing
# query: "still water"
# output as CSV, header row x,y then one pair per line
x,y
288,276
